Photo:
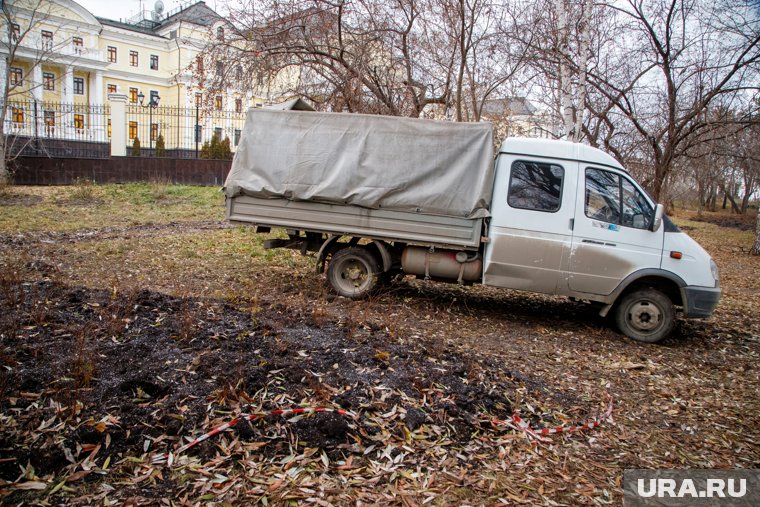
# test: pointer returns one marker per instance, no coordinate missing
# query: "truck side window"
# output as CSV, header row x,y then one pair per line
x,y
614,199
535,186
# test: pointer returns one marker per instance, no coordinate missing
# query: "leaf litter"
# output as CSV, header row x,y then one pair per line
x,y
100,381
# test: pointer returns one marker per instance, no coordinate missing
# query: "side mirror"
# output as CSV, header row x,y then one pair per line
x,y
659,211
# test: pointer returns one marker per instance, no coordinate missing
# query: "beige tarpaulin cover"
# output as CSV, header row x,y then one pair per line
x,y
401,164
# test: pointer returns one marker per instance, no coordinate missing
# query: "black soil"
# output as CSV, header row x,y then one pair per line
x,y
155,363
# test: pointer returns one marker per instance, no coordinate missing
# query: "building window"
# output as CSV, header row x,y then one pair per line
x,y
47,40
78,45
17,76
49,122
132,129
199,63
218,132
153,131
112,88
239,72
79,122
15,32
220,33
535,186
198,99
218,102
133,95
133,58
109,128
198,133
154,97
111,54
153,62
219,68
48,81
18,116
238,105
237,137
78,86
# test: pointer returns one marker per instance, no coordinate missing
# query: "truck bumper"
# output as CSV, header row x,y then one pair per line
x,y
699,302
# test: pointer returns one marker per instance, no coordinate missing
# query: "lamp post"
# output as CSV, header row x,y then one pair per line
x,y
152,104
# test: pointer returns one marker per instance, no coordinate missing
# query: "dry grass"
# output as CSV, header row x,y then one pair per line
x,y
668,397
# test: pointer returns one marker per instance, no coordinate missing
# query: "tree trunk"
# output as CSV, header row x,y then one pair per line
x,y
565,98
5,176
756,246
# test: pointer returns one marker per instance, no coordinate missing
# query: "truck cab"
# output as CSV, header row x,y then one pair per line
x,y
567,219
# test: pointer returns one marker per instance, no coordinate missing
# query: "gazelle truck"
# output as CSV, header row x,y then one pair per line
x,y
376,197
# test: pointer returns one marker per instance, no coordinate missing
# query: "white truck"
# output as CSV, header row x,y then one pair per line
x,y
377,197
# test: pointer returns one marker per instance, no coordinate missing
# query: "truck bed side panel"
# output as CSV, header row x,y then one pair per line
x,y
411,228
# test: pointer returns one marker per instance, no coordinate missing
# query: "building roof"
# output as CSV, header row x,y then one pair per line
x,y
198,13
509,106
127,26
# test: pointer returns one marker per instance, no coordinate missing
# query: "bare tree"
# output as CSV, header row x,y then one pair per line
x,y
21,22
352,55
675,59
396,58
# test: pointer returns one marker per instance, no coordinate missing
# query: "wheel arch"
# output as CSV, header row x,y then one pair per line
x,y
666,282
377,247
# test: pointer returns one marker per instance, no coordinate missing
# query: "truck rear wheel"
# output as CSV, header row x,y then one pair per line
x,y
353,272
646,315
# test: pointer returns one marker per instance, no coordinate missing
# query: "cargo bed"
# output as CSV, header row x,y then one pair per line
x,y
412,228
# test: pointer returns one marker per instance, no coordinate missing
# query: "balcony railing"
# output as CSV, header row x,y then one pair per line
x,y
62,49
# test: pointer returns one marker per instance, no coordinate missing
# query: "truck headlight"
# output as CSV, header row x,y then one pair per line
x,y
715,271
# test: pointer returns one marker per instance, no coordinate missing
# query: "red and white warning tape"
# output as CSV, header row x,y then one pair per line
x,y
516,423
540,434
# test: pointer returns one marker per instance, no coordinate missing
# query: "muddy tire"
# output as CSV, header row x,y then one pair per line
x,y
646,315
353,272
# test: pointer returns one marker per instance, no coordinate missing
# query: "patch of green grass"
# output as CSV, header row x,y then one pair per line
x,y
88,206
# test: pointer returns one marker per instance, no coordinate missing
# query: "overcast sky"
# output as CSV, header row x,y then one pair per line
x,y
124,9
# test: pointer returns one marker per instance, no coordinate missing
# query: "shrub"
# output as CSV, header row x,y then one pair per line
x,y
205,150
160,146
216,147
136,147
225,149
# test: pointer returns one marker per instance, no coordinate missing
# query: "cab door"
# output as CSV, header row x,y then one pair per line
x,y
612,236
530,228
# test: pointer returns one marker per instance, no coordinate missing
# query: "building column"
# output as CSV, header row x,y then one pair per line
x,y
96,89
3,73
97,106
67,108
36,112
118,124
3,69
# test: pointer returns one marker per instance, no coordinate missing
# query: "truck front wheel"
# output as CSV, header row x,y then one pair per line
x,y
353,272
646,315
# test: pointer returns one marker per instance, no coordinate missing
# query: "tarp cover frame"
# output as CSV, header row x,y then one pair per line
x,y
374,162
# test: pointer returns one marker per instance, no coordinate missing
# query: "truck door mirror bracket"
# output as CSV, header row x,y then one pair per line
x,y
659,211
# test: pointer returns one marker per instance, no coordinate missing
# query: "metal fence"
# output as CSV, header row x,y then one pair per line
x,y
183,130
54,129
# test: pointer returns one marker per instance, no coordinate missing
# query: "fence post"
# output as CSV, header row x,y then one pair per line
x,y
118,124
196,132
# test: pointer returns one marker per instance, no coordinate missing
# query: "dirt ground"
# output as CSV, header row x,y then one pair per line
x,y
133,320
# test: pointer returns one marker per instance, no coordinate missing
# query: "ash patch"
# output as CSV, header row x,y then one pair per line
x,y
140,370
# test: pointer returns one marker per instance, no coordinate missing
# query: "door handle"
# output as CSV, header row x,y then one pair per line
x,y
600,243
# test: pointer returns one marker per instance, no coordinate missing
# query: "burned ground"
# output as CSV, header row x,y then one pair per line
x,y
121,340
